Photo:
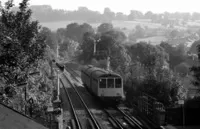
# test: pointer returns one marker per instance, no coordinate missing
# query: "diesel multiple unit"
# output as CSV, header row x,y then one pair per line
x,y
107,85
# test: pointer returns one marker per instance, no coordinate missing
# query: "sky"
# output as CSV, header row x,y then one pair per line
x,y
156,6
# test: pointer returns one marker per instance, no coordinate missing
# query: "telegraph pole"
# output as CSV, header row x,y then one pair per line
x,y
57,51
95,47
58,86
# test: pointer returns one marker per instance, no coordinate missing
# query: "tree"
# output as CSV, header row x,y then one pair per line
x,y
139,32
110,39
148,15
132,36
182,69
111,43
72,31
164,86
84,28
22,47
154,79
134,14
87,47
120,16
104,27
196,70
174,34
193,48
68,49
51,38
176,54
108,15
147,54
75,32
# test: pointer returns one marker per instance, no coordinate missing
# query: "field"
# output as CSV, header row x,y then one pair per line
x,y
155,40
118,24
126,27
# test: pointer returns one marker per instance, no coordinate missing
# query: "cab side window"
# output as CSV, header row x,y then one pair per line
x,y
118,83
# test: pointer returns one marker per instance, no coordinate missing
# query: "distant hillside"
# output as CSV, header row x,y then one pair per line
x,y
45,13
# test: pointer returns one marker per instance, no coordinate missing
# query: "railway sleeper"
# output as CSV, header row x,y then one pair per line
x,y
129,122
144,124
120,123
137,121
113,123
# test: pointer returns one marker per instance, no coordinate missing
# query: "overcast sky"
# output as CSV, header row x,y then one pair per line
x,y
156,6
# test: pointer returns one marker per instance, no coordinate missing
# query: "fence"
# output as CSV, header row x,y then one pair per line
x,y
150,107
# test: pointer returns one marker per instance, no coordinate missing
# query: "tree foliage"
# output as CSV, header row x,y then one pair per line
x,y
24,52
164,86
111,43
182,69
151,76
87,47
174,34
75,32
68,49
137,33
196,70
134,14
177,54
21,45
104,27
148,55
51,38
193,48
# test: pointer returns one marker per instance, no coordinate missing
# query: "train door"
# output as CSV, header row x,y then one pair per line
x,y
119,87
102,86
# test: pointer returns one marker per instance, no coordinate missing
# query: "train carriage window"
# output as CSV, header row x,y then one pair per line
x,y
102,83
110,83
118,83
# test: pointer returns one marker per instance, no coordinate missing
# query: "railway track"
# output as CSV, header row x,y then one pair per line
x,y
73,73
116,116
92,120
74,121
131,119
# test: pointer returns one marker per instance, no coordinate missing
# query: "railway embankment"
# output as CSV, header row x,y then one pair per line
x,y
12,119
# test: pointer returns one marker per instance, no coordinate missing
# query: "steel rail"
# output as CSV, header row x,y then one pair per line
x,y
132,120
87,109
73,110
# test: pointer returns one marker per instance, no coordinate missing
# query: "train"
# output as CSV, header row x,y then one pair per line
x,y
104,84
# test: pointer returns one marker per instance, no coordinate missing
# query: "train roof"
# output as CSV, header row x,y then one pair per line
x,y
98,72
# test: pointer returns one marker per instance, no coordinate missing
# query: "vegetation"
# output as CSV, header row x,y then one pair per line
x,y
157,65
196,70
24,60
45,13
21,45
26,47
154,76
